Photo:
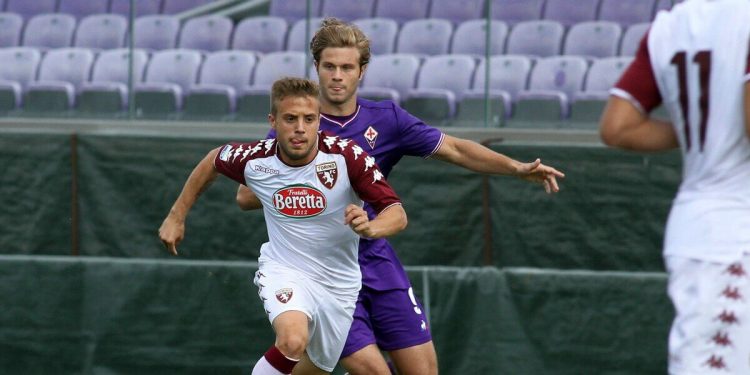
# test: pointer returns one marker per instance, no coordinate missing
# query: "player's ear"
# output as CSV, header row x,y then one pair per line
x,y
362,71
272,121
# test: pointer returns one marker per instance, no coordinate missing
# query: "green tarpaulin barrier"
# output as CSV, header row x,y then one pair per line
x,y
98,315
35,194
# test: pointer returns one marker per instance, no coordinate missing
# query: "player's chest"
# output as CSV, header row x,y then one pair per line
x,y
317,188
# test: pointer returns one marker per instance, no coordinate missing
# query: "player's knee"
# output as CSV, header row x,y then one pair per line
x,y
292,345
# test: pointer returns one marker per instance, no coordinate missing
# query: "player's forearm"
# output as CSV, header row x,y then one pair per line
x,y
475,157
246,199
388,222
624,126
651,135
199,180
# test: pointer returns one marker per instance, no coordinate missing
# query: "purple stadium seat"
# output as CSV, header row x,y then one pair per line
x,y
275,65
508,76
101,31
156,32
224,74
535,38
63,71
593,39
471,37
508,73
632,38
30,8
569,12
556,79
48,31
603,74
18,67
425,37
170,74
589,104
142,7
298,39
206,33
457,11
177,6
11,25
381,32
390,76
515,11
83,8
442,79
347,10
627,12
402,11
261,34
559,73
110,73
294,10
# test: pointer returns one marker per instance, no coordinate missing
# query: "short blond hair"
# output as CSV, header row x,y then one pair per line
x,y
292,86
335,33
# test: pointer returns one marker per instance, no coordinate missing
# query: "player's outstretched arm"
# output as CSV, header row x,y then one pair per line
x,y
247,200
475,157
172,230
623,126
388,222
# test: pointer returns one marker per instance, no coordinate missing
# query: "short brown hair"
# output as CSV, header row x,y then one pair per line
x,y
334,33
291,86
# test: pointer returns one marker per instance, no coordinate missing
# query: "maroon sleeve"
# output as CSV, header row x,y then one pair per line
x,y
639,80
367,180
231,160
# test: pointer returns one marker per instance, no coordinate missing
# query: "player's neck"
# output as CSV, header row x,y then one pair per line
x,y
336,109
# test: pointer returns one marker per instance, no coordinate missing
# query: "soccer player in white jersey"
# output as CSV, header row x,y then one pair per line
x,y
694,60
312,185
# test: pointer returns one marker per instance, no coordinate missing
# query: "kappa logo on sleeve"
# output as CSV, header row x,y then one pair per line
x,y
284,295
225,153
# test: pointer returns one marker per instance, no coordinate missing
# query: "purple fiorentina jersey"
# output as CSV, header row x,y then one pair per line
x,y
386,132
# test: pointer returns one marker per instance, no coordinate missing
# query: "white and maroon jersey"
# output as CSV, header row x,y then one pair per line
x,y
304,206
694,59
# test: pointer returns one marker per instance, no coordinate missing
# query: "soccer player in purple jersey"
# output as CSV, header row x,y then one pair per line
x,y
388,316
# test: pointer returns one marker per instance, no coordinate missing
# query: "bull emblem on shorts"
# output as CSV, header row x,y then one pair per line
x,y
284,295
327,173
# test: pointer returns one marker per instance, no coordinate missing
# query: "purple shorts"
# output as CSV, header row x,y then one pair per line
x,y
392,319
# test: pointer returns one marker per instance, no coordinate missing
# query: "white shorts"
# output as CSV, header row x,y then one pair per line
x,y
329,315
711,330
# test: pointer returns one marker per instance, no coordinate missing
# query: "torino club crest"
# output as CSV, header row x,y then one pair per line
x,y
327,173
284,294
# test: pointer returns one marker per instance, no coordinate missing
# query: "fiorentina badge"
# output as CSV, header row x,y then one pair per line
x,y
327,173
284,294
371,135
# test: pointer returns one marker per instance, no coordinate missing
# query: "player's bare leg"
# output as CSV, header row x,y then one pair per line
x,y
416,360
306,367
366,361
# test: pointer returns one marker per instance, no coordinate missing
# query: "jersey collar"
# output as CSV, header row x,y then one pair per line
x,y
339,123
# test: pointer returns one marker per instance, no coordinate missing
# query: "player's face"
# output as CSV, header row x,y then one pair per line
x,y
296,123
339,73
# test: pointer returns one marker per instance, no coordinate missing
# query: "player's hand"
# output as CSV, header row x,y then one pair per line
x,y
356,218
539,173
171,233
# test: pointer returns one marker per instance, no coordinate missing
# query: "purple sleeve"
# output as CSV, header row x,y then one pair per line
x,y
417,138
